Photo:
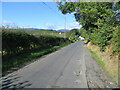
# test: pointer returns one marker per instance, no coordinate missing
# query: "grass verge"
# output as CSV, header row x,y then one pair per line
x,y
23,59
107,60
97,58
108,70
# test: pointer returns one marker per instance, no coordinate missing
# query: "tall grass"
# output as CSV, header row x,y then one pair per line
x,y
97,58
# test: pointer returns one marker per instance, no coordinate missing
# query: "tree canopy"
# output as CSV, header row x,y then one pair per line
x,y
89,14
98,19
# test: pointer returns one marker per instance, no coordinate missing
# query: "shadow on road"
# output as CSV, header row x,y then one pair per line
x,y
12,81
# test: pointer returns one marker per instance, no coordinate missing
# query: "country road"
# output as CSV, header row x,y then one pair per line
x,y
69,67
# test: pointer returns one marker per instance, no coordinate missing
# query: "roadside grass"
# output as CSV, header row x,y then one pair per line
x,y
109,64
21,60
97,58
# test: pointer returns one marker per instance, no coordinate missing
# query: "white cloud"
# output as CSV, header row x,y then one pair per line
x,y
60,28
0,26
73,25
50,26
27,26
53,26
70,26
8,24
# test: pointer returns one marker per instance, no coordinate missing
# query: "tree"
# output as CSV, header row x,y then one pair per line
x,y
73,34
88,14
97,18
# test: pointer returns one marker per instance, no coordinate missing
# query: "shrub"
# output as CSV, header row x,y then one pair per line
x,y
116,40
15,42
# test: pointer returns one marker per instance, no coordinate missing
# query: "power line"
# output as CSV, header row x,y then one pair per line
x,y
57,14
51,8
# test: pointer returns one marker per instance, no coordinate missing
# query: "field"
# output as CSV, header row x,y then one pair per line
x,y
24,45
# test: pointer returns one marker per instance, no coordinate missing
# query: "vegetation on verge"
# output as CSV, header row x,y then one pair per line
x,y
21,59
105,59
97,58
20,46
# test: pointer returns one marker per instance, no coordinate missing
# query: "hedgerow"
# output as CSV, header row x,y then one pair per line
x,y
15,43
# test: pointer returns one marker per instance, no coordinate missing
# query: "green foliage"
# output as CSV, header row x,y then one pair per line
x,y
97,58
88,14
18,42
20,46
117,5
73,34
27,57
84,33
116,40
97,19
102,36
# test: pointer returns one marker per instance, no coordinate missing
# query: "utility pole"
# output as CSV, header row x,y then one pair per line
x,y
65,25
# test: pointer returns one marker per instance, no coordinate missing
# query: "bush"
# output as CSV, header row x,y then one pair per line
x,y
15,42
102,36
116,40
84,33
73,34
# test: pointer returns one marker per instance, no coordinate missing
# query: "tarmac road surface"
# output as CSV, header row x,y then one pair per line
x,y
69,67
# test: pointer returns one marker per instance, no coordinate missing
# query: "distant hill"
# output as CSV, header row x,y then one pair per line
x,y
37,29
63,30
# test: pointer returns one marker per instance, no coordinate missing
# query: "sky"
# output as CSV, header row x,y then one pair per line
x,y
36,15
